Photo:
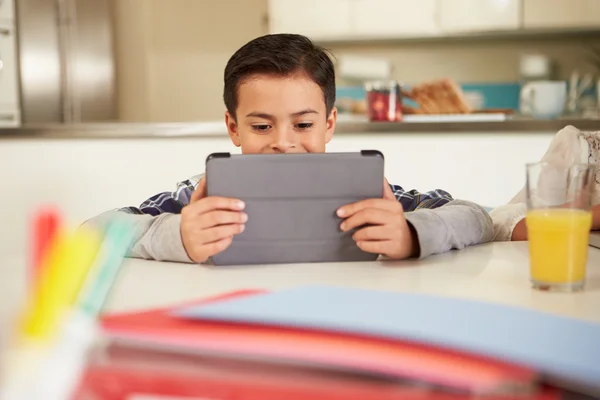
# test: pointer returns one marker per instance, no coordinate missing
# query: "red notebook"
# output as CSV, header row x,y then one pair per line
x,y
155,350
129,378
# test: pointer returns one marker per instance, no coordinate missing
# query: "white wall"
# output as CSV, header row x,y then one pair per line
x,y
171,55
87,176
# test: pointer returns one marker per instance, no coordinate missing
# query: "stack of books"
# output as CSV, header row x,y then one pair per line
x,y
339,343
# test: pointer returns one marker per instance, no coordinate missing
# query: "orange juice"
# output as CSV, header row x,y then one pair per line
x,y
558,244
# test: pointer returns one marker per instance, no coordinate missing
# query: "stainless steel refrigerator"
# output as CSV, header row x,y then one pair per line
x,y
66,61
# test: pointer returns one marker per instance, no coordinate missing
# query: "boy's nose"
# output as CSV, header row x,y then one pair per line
x,y
283,141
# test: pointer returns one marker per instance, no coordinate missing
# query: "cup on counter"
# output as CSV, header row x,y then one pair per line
x,y
384,101
544,99
559,219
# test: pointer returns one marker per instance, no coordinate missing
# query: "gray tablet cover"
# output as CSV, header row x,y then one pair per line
x,y
291,200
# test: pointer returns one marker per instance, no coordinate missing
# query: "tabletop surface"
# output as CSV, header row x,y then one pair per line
x,y
495,272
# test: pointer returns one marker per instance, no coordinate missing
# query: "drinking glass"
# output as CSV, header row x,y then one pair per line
x,y
559,219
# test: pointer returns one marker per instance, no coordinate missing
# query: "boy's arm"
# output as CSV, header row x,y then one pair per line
x,y
519,233
155,237
509,222
515,228
413,200
442,223
167,202
156,223
456,225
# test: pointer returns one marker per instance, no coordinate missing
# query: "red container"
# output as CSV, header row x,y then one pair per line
x,y
384,101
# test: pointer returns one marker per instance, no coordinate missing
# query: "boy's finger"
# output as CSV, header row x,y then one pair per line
x,y
375,246
382,204
370,216
210,249
200,191
220,217
377,232
217,233
208,204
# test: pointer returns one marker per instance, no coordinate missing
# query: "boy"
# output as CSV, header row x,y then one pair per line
x,y
279,93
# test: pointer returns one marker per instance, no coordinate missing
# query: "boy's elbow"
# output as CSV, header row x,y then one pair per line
x,y
479,220
456,225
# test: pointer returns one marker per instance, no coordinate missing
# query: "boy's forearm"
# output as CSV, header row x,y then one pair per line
x,y
456,225
155,237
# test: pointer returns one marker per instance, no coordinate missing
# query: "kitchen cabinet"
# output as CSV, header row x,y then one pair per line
x,y
7,10
9,100
397,19
317,19
353,19
479,15
394,18
557,14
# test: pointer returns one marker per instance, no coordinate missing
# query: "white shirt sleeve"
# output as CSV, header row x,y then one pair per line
x,y
569,146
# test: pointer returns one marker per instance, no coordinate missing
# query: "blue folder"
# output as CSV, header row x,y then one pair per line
x,y
565,350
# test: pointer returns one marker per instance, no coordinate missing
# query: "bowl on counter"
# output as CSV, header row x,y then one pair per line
x,y
384,101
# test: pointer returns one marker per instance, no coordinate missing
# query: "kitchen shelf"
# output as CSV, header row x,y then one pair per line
x,y
217,129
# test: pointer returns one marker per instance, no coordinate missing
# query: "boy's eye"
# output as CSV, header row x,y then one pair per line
x,y
304,125
261,128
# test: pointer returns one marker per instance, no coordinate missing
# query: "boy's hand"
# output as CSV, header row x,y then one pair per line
x,y
208,224
388,233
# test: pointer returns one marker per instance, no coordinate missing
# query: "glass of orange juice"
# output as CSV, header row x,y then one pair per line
x,y
559,219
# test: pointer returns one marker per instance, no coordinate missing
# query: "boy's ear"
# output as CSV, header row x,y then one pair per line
x,y
232,129
331,120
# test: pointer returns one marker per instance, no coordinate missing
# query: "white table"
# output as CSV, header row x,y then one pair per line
x,y
496,272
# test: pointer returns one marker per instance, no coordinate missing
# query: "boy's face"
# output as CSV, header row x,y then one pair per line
x,y
280,115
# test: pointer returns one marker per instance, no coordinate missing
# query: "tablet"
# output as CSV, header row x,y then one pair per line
x,y
291,202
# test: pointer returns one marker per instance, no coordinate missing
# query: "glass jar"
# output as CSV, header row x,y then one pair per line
x,y
384,101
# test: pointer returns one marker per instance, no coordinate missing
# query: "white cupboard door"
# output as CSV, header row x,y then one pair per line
x,y
7,10
394,18
317,19
549,14
463,16
8,70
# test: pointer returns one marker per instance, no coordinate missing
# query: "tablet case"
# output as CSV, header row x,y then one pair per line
x,y
291,202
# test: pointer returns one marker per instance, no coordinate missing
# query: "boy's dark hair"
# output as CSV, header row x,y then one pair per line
x,y
279,54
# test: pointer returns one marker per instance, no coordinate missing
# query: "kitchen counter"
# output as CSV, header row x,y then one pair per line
x,y
217,128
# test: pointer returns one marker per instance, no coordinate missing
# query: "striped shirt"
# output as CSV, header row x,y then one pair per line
x,y
173,202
